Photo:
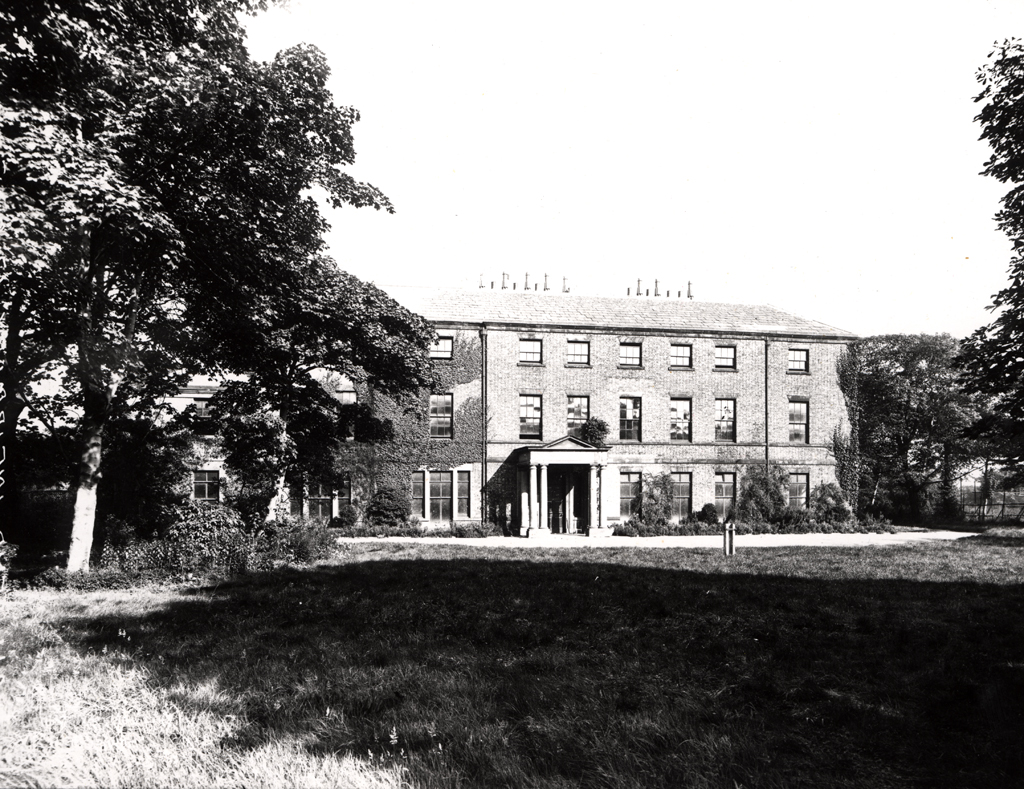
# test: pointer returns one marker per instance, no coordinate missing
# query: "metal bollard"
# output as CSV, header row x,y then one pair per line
x,y
729,537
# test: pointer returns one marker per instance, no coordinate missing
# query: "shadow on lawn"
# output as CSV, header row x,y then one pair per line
x,y
518,673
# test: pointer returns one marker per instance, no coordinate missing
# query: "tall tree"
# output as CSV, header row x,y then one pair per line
x,y
336,324
994,354
156,188
914,415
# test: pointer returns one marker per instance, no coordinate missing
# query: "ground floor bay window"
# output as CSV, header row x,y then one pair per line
x,y
320,500
440,496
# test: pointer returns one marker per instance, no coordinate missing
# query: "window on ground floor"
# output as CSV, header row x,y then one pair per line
x,y
206,485
317,499
416,506
440,496
463,494
629,493
437,494
798,484
680,496
725,494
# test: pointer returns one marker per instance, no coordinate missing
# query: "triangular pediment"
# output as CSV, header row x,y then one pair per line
x,y
568,444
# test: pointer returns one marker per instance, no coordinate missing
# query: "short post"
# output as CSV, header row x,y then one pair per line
x,y
729,536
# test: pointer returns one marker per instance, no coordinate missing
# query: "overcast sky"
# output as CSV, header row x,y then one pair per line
x,y
819,157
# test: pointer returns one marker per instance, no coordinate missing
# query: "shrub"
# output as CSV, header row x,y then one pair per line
x,y
296,540
708,514
827,504
594,431
626,529
793,518
346,518
7,553
208,537
762,494
474,529
388,507
655,508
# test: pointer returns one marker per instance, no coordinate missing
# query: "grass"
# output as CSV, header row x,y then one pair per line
x,y
407,664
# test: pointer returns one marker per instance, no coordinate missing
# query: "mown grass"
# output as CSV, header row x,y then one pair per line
x,y
447,665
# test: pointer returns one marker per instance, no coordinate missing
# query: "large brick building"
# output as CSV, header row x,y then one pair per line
x,y
688,388
694,389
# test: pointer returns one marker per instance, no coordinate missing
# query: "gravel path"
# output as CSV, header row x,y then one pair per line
x,y
712,541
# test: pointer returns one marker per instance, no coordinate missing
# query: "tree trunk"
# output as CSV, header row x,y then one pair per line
x,y
11,406
279,503
97,405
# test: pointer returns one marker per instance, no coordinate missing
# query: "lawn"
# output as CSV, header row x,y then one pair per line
x,y
445,665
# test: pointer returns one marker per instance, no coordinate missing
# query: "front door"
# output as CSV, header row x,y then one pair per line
x,y
556,499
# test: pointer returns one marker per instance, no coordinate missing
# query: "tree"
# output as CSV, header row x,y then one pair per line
x,y
763,493
155,193
335,324
994,355
914,416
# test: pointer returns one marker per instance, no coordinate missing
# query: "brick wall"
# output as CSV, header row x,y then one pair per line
x,y
604,381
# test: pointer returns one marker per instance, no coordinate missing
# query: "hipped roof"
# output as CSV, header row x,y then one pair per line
x,y
639,313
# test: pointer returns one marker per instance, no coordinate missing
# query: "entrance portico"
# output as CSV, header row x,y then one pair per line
x,y
560,487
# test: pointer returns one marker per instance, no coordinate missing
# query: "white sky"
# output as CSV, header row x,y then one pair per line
x,y
819,157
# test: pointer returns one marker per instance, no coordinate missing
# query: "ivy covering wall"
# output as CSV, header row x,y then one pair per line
x,y
407,445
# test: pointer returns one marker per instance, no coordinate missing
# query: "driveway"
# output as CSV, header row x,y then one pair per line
x,y
713,541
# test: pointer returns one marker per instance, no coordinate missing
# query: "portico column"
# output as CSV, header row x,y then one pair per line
x,y
524,502
569,508
594,492
600,495
533,496
543,524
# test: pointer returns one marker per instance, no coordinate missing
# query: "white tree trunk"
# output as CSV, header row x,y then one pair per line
x,y
82,529
279,504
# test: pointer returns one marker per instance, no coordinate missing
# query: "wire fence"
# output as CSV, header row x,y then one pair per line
x,y
1002,505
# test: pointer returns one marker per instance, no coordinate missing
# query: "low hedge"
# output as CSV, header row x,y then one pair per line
x,y
694,527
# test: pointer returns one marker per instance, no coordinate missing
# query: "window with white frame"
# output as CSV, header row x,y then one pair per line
x,y
798,484
681,356
680,419
725,419
725,357
799,421
799,360
462,494
441,348
530,425
316,499
435,495
206,485
578,413
530,352
319,501
578,352
680,495
725,494
440,496
416,507
629,493
441,416
629,418
630,354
